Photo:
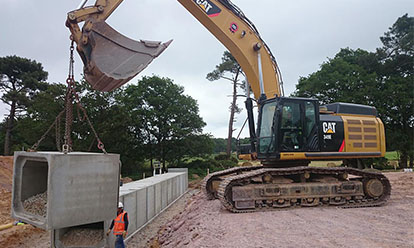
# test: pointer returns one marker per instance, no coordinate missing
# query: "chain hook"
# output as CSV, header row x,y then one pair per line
x,y
65,148
101,146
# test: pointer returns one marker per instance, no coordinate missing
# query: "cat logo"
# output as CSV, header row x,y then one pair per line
x,y
328,127
210,8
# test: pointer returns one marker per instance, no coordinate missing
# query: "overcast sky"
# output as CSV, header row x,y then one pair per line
x,y
301,34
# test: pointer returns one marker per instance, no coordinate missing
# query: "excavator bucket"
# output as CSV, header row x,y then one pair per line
x,y
111,59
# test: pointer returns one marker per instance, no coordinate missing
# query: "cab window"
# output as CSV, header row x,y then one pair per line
x,y
291,127
266,135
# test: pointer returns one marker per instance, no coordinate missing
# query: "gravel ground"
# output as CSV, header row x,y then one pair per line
x,y
82,237
145,237
36,204
207,224
195,222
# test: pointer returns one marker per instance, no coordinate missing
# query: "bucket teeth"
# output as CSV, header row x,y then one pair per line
x,y
111,59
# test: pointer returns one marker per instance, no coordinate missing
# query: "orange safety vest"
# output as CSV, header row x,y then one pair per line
x,y
119,224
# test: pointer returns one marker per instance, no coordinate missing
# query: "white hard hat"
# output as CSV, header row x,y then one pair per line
x,y
120,205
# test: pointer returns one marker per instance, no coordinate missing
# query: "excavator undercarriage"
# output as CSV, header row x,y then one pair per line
x,y
248,189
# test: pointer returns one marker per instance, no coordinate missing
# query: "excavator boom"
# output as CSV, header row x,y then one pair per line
x,y
111,59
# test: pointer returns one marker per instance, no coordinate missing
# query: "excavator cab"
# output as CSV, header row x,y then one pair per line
x,y
288,125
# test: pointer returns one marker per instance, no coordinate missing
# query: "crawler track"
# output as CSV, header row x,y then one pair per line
x,y
243,176
206,184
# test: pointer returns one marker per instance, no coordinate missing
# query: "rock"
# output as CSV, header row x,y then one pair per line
x,y
82,237
36,204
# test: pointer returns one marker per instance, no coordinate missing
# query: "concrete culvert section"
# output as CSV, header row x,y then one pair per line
x,y
53,190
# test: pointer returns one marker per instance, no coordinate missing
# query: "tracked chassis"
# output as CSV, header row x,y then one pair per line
x,y
258,188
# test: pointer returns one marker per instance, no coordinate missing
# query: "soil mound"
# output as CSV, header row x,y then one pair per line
x,y
6,172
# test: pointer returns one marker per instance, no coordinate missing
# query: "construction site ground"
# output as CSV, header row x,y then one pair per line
x,y
193,221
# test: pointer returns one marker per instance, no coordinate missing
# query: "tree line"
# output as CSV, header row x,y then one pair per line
x,y
150,120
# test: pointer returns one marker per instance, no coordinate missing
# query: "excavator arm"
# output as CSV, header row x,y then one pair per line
x,y
111,59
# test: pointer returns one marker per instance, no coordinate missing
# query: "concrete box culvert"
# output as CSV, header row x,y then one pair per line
x,y
53,190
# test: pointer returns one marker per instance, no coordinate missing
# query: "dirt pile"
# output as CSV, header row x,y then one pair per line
x,y
80,237
126,180
36,204
19,236
188,221
25,236
5,205
6,172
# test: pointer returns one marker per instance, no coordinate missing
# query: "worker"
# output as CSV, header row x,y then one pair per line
x,y
120,225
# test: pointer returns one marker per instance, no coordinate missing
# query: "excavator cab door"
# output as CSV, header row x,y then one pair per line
x,y
111,59
288,125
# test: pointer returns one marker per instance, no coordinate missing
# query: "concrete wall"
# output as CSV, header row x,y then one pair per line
x,y
77,184
143,200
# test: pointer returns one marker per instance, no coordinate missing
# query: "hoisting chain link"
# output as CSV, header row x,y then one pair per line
x,y
71,96
67,144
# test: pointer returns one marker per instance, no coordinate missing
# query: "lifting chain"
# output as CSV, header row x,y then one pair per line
x,y
71,96
70,91
55,123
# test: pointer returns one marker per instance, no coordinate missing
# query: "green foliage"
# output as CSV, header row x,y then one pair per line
x,y
220,144
383,79
223,157
112,122
200,165
377,163
392,155
228,65
344,78
151,120
168,122
39,116
20,80
396,105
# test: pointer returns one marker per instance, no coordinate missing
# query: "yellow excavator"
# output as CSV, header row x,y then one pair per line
x,y
290,132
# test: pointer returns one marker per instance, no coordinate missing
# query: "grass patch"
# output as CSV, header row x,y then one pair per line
x,y
392,155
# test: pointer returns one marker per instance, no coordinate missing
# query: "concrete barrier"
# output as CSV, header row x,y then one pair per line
x,y
81,188
143,200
